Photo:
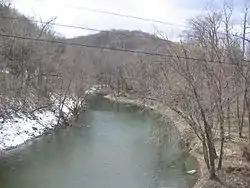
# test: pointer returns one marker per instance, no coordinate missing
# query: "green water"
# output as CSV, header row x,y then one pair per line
x,y
112,152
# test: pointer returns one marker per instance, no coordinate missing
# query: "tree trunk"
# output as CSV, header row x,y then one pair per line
x,y
248,116
211,159
118,87
228,118
215,153
240,117
249,124
209,137
222,134
205,154
210,144
244,32
221,154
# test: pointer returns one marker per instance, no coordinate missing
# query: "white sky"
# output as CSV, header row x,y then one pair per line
x,y
69,12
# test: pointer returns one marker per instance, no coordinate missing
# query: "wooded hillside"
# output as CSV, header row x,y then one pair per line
x,y
204,80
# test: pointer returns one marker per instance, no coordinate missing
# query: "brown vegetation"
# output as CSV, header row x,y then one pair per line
x,y
204,80
36,75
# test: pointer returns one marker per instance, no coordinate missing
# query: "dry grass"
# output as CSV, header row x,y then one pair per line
x,y
236,169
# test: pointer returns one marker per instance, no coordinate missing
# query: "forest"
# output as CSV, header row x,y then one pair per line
x,y
202,81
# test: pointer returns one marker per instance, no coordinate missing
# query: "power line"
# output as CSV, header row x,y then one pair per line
x,y
130,16
123,15
113,49
56,24
111,13
120,15
153,37
114,14
82,45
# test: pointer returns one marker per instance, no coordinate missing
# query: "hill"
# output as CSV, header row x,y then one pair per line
x,y
125,39
106,65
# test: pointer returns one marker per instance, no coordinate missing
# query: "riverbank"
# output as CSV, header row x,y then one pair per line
x,y
23,127
235,171
113,151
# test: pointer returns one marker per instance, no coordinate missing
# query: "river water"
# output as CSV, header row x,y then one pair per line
x,y
112,150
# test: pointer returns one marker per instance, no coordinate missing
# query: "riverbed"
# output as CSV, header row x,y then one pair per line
x,y
109,147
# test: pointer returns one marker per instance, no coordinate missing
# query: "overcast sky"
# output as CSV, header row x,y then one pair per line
x,y
70,12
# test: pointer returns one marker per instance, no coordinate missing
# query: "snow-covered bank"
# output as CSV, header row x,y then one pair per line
x,y
22,127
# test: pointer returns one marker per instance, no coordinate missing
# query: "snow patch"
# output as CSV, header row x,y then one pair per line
x,y
192,172
21,128
95,89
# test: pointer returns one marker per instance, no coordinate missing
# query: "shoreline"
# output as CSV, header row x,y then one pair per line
x,y
234,173
183,129
24,127
12,151
191,142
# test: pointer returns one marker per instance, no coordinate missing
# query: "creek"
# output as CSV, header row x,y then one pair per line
x,y
109,147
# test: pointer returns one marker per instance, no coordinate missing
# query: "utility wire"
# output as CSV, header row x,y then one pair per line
x,y
153,37
113,49
126,16
81,45
114,14
122,15
130,16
